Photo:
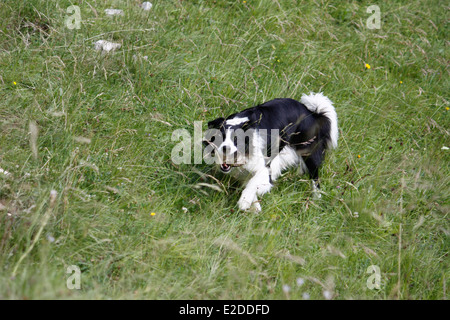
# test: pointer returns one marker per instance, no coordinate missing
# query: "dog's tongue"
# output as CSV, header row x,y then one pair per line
x,y
225,167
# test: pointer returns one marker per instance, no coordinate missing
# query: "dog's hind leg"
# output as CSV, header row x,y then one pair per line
x,y
313,163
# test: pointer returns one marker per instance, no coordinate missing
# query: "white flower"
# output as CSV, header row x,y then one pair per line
x,y
286,288
305,296
146,6
444,148
300,281
327,294
6,173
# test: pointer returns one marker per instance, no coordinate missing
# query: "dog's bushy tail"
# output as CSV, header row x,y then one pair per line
x,y
318,103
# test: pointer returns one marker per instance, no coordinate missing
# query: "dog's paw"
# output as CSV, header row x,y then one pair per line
x,y
247,198
244,204
316,195
263,188
256,207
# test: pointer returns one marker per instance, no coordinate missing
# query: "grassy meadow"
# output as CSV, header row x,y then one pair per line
x,y
96,129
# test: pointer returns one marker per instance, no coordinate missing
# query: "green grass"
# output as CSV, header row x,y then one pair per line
x,y
386,187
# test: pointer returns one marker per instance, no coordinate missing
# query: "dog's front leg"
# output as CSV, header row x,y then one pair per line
x,y
247,198
245,203
259,184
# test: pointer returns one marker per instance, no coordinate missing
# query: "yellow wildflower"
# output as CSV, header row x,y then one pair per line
x,y
152,214
367,66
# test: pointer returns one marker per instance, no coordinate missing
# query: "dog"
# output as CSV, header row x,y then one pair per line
x,y
267,139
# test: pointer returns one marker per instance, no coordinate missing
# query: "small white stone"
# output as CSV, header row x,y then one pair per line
x,y
106,46
114,12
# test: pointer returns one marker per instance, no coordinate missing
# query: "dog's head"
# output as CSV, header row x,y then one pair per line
x,y
228,141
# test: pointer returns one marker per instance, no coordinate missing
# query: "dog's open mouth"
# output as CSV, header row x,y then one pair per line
x,y
225,167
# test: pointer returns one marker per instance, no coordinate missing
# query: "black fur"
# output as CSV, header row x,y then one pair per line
x,y
301,129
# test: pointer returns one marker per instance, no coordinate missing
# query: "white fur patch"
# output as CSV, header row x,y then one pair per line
x,y
229,144
320,104
256,159
315,191
285,159
236,121
259,184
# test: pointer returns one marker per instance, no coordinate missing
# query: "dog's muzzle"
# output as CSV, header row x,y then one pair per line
x,y
225,168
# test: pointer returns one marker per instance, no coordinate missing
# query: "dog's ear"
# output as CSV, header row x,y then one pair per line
x,y
216,124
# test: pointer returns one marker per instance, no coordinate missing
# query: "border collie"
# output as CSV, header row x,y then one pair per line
x,y
269,138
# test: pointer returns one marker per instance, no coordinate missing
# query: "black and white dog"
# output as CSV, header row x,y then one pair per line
x,y
269,138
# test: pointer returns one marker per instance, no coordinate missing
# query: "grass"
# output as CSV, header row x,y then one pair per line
x,y
96,128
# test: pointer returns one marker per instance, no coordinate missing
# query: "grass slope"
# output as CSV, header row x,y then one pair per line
x,y
97,129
